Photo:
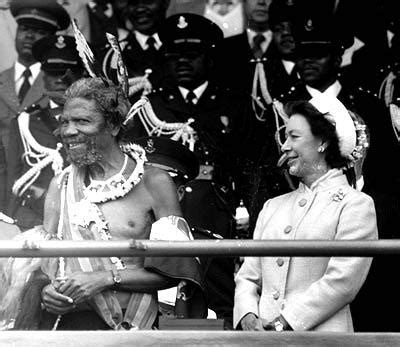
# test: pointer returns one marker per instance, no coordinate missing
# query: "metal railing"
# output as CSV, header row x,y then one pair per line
x,y
146,248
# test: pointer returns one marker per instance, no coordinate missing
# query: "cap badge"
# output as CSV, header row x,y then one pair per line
x,y
150,146
182,24
60,44
309,25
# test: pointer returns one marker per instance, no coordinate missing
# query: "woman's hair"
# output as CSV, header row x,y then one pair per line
x,y
110,100
320,127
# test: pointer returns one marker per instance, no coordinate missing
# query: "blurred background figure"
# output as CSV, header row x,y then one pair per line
x,y
227,14
141,43
8,28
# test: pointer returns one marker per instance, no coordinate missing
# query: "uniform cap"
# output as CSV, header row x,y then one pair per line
x,y
57,53
189,28
315,29
41,14
170,155
282,11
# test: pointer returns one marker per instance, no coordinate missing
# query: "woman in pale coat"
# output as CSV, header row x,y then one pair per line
x,y
310,293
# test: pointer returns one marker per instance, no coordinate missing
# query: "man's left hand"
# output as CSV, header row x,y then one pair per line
x,y
81,286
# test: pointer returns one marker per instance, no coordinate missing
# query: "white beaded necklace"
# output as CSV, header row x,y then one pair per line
x,y
116,186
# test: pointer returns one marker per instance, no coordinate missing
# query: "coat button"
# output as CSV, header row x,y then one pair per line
x,y
302,202
288,229
276,294
280,261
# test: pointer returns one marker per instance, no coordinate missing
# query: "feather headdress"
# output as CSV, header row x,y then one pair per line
x,y
86,54
122,72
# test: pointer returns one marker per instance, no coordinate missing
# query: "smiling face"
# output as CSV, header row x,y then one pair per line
x,y
301,147
84,132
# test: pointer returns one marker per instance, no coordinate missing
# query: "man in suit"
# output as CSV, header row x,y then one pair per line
x,y
22,84
183,166
241,53
32,138
141,45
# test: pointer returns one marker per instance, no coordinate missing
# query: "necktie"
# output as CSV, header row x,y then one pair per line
x,y
25,85
151,44
190,97
257,50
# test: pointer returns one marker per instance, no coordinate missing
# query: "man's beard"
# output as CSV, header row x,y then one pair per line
x,y
85,156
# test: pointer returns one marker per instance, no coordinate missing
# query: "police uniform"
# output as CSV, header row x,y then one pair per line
x,y
58,55
219,119
183,166
42,14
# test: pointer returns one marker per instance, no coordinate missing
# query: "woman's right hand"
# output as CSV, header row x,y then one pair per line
x,y
250,322
54,302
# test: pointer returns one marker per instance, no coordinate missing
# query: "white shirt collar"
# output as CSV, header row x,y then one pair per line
x,y
288,65
267,34
52,104
142,39
18,76
198,91
333,90
19,70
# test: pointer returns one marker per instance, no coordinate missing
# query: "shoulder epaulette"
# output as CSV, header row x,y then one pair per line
x,y
32,108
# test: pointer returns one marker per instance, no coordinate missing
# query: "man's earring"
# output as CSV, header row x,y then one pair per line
x,y
321,149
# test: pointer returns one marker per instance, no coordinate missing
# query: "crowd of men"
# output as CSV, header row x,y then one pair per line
x,y
222,98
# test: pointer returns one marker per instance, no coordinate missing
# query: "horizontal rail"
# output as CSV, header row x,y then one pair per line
x,y
193,338
146,248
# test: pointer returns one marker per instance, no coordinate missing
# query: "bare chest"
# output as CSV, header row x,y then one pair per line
x,y
127,218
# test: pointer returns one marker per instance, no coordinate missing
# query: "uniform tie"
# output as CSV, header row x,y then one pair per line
x,y
257,41
190,97
151,44
25,85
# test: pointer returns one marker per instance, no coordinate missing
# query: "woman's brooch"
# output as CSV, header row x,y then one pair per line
x,y
338,196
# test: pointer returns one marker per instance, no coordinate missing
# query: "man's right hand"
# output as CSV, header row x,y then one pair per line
x,y
55,302
250,322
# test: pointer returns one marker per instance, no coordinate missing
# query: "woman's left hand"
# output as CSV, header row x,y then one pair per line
x,y
81,286
271,325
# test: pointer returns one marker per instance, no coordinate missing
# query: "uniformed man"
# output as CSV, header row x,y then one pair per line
x,y
183,166
34,152
22,84
212,121
141,45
